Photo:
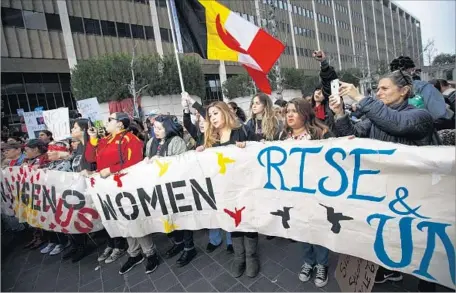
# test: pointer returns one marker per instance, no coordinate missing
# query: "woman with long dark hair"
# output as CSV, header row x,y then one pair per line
x,y
113,153
79,164
167,142
237,111
302,124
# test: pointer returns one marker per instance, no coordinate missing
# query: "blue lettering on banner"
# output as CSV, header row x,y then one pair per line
x,y
405,227
266,155
274,158
358,172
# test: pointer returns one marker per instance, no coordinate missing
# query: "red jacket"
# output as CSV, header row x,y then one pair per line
x,y
106,151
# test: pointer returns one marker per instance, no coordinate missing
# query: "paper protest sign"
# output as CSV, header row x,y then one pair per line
x,y
389,199
58,122
90,108
354,274
34,122
50,200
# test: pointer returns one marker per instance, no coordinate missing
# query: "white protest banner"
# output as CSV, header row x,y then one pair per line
x,y
58,122
50,200
90,108
34,122
354,274
383,202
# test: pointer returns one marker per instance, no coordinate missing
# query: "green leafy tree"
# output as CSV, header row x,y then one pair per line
x,y
238,86
351,75
443,59
108,77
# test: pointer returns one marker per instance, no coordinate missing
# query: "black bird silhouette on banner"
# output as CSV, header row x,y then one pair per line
x,y
285,214
335,218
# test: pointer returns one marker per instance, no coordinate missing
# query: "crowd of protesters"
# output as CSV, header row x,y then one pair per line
x,y
403,110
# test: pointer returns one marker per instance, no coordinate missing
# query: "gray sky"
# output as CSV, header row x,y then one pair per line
x,y
437,21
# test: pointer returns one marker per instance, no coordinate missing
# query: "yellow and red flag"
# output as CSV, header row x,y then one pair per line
x,y
217,33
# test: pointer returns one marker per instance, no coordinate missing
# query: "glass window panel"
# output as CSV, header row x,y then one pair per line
x,y
164,32
14,103
76,24
50,101
59,100
123,30
12,17
22,99
300,10
53,21
137,31
92,26
41,98
108,28
34,20
32,101
149,32
69,101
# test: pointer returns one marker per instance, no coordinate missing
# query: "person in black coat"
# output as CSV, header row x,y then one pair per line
x,y
389,117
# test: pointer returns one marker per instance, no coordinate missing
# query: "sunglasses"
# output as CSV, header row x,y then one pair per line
x,y
110,119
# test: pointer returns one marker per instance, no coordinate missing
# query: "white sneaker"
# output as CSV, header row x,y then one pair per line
x,y
57,249
306,272
321,277
48,248
106,253
115,255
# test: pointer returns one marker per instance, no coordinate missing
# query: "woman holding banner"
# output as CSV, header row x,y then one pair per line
x,y
389,118
215,235
168,141
302,124
223,128
58,155
113,153
79,164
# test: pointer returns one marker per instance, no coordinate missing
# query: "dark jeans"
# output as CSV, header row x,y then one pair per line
x,y
185,236
117,242
78,239
246,234
55,237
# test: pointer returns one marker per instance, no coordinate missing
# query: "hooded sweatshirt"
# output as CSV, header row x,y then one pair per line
x,y
432,98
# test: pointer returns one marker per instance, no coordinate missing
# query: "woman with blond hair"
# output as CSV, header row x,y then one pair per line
x,y
263,122
223,128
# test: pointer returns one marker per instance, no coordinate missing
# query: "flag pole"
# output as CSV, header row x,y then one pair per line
x,y
176,54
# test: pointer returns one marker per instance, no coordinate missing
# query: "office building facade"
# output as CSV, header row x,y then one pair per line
x,y
43,39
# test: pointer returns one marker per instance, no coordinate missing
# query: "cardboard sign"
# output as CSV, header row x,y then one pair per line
x,y
34,123
58,122
391,200
90,109
50,200
354,274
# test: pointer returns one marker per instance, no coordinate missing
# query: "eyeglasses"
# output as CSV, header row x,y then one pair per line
x,y
110,119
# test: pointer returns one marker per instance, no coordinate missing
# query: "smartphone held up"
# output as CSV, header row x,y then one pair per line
x,y
335,90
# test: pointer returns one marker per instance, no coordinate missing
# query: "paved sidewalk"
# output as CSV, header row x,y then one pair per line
x,y
25,270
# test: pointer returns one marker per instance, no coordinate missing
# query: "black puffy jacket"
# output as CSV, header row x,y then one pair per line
x,y
401,123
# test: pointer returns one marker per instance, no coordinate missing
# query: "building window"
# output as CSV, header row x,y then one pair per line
x,y
12,17
300,10
76,24
164,32
123,30
53,21
149,32
92,26
34,20
108,28
137,31
161,3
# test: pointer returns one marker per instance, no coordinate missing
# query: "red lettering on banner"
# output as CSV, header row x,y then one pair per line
x,y
59,212
52,226
43,218
92,182
38,176
82,217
